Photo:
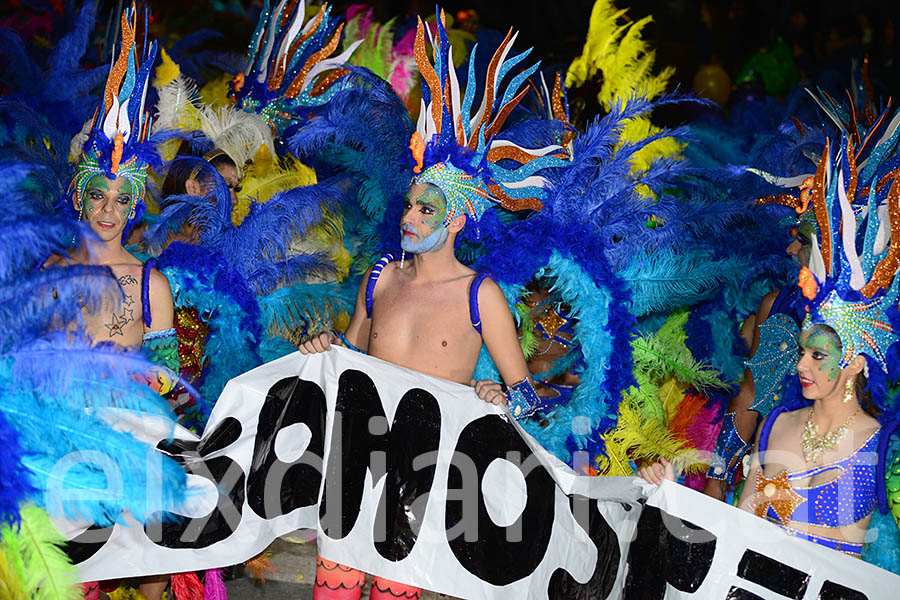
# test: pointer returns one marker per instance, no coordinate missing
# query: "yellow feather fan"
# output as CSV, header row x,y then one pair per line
x,y
263,178
625,62
663,369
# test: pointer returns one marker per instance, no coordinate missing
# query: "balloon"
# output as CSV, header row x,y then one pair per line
x,y
711,81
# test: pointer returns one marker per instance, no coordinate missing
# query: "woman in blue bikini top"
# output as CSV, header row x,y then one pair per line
x,y
815,472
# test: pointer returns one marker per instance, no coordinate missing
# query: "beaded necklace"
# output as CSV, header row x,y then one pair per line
x,y
814,445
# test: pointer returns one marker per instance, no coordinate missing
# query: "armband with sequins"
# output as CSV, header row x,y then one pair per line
x,y
161,347
730,449
346,343
522,399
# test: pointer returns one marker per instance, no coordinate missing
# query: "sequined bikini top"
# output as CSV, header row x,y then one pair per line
x,y
846,499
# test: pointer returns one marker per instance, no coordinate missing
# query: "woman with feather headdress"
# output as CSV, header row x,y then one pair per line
x,y
824,456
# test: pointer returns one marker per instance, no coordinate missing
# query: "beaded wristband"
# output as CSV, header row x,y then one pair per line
x,y
522,399
730,448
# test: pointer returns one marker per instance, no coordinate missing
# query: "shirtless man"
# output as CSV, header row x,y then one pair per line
x,y
108,205
418,316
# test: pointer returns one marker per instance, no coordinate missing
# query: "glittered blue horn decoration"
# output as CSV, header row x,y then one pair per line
x,y
459,151
117,142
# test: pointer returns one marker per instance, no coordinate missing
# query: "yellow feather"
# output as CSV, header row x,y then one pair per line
x,y
215,93
636,438
11,585
671,393
167,70
625,62
263,179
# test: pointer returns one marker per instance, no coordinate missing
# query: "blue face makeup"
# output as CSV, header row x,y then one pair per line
x,y
431,243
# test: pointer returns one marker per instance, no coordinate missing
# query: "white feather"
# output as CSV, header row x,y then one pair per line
x,y
175,108
883,237
848,236
240,134
330,63
816,262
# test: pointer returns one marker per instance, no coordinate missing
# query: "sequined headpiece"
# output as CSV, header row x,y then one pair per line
x,y
855,293
116,145
288,66
866,132
461,153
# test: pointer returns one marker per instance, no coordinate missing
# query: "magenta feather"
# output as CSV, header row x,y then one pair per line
x,y
214,585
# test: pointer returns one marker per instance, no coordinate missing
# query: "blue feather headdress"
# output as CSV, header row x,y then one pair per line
x,y
117,143
461,153
288,68
851,281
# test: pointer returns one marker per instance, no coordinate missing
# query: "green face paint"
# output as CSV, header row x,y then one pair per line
x,y
826,352
432,200
99,186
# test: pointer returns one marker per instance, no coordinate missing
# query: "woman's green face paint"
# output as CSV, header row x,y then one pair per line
x,y
819,362
825,350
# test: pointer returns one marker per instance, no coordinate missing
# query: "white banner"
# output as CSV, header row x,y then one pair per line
x,y
426,484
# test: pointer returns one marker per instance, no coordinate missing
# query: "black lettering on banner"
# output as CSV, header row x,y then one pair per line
x,y
835,591
563,585
496,557
87,543
361,441
415,433
736,593
274,487
773,575
685,559
177,531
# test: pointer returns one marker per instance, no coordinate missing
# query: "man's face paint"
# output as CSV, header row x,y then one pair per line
x,y
799,249
107,205
422,225
819,365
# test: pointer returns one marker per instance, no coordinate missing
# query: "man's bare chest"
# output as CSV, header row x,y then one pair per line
x,y
118,319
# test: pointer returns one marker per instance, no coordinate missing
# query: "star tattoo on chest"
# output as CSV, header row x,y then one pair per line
x,y
116,326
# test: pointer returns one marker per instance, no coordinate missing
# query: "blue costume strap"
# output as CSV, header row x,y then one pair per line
x,y
884,463
766,430
474,313
145,291
373,279
522,399
776,356
346,343
730,449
